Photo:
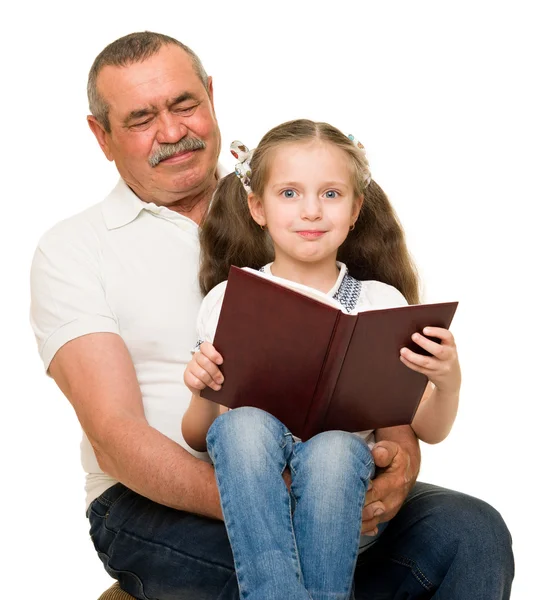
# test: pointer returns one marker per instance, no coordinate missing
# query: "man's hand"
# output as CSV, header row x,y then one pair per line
x,y
390,486
287,478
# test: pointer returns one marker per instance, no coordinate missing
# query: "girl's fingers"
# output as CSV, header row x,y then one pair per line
x,y
193,383
204,381
198,378
444,335
413,366
432,347
210,367
418,360
207,378
211,353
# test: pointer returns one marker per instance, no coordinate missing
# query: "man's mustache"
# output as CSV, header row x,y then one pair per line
x,y
167,150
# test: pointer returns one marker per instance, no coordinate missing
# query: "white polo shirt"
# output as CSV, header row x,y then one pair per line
x,y
128,267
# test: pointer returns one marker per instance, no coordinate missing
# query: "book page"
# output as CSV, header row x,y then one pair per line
x,y
299,287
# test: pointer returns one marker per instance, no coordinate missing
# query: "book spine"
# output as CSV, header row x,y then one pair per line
x,y
335,355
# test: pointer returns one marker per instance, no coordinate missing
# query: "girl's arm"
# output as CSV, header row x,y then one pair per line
x,y
201,371
435,416
197,421
437,411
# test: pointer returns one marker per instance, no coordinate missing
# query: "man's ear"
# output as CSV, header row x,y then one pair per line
x,y
211,92
101,136
256,208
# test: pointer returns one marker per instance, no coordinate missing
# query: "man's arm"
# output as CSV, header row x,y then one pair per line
x,y
96,374
397,455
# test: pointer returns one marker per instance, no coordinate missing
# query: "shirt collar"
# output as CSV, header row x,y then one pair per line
x,y
343,271
122,205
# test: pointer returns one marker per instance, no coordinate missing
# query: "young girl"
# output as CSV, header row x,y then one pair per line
x,y
305,198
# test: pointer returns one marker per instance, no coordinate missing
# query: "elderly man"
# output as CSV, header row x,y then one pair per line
x,y
114,305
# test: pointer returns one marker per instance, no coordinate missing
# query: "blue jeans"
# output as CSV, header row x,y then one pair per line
x,y
302,545
442,544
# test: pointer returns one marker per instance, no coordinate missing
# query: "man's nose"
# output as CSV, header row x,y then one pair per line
x,y
171,128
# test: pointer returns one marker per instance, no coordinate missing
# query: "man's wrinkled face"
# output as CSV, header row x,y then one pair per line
x,y
164,135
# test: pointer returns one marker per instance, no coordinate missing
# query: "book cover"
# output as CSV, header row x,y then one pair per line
x,y
315,368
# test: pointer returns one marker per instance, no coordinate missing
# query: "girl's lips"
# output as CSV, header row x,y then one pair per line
x,y
309,234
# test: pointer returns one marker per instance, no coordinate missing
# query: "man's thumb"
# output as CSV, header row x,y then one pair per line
x,y
382,455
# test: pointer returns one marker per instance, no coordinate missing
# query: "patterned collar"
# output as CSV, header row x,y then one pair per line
x,y
346,290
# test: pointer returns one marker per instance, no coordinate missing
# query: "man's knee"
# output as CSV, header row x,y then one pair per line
x,y
472,528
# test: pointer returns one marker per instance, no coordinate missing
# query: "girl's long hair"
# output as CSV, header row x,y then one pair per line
x,y
374,249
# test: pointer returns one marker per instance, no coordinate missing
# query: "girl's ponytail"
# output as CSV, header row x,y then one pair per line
x,y
376,248
230,236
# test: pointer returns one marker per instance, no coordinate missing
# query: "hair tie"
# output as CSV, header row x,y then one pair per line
x,y
360,146
243,166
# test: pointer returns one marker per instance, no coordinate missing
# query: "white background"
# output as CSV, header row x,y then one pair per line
x,y
444,97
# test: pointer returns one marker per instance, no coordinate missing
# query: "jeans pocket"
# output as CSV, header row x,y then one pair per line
x,y
113,507
103,503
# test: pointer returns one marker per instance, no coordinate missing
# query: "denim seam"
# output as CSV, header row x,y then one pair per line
x,y
349,592
109,503
415,570
161,545
292,532
127,571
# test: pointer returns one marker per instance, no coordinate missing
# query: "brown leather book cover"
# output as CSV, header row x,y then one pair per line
x,y
314,367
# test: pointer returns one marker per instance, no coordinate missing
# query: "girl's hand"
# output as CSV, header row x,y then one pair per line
x,y
442,368
202,370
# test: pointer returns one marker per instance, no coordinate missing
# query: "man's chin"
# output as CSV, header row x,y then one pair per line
x,y
187,181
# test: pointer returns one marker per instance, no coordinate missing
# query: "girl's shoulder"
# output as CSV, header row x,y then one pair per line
x,y
376,294
213,299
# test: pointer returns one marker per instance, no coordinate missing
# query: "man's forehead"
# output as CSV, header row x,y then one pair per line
x,y
156,80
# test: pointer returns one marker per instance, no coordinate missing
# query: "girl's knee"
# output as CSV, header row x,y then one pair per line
x,y
341,451
246,429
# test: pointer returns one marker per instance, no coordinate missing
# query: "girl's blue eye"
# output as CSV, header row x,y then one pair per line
x,y
331,194
289,193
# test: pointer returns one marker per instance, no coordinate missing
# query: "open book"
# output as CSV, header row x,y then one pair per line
x,y
315,368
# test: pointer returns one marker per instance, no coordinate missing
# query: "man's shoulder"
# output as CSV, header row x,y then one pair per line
x,y
78,227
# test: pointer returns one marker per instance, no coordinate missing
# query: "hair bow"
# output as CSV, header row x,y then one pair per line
x,y
243,166
360,146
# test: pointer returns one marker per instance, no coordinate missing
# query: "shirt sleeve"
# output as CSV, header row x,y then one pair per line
x,y
67,292
378,295
208,316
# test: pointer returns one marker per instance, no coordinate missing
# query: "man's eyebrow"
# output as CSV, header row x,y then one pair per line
x,y
181,98
139,113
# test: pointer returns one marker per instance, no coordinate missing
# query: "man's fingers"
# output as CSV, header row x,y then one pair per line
x,y
287,478
373,511
369,526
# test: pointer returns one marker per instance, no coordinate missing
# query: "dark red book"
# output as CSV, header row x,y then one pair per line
x,y
314,367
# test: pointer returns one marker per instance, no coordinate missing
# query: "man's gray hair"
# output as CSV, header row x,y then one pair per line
x,y
132,48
